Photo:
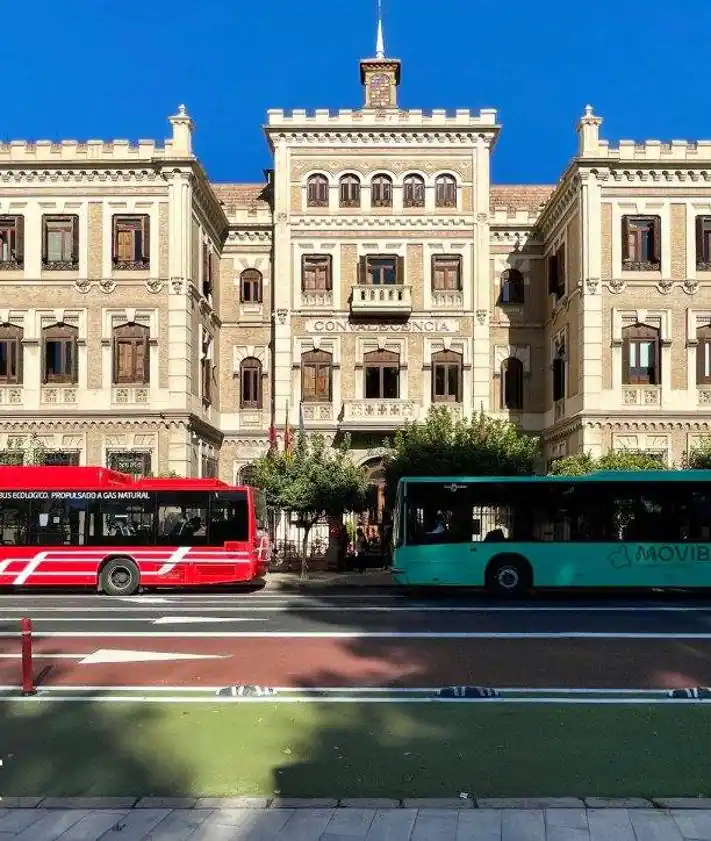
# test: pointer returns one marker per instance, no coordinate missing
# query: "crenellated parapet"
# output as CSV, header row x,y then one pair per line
x,y
438,118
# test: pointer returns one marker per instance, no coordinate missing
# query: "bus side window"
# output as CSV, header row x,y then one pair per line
x,y
229,518
14,522
58,522
182,518
126,523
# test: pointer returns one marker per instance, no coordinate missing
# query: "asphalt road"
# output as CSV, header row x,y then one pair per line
x,y
362,639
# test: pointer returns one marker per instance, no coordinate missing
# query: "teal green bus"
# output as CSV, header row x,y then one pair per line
x,y
645,529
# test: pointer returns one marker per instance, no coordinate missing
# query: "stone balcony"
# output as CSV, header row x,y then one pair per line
x,y
448,299
641,395
317,414
381,300
378,414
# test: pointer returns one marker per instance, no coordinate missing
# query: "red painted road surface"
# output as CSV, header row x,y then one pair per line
x,y
612,664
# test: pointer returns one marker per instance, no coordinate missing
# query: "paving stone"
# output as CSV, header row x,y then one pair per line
x,y
523,825
392,825
566,818
530,803
654,825
19,802
166,803
178,826
617,803
351,822
94,825
306,825
682,802
369,803
436,825
52,824
693,824
261,825
479,825
89,802
610,825
438,803
233,802
17,820
138,823
304,803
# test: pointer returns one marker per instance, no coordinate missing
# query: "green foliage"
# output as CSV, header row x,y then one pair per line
x,y
33,454
445,446
313,481
582,463
699,457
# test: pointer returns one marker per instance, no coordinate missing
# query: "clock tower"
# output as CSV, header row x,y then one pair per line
x,y
380,75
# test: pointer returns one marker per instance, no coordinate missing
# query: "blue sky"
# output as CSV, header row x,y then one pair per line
x,y
96,68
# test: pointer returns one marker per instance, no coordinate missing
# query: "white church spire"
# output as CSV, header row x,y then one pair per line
x,y
380,40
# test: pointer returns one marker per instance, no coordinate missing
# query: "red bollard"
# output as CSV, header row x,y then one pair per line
x,y
28,687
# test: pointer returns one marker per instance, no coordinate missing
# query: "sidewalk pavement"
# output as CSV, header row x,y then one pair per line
x,y
258,819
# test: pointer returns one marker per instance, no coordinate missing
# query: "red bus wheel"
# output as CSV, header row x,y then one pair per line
x,y
119,577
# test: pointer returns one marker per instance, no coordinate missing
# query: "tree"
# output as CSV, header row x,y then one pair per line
x,y
582,463
33,453
313,481
445,446
699,457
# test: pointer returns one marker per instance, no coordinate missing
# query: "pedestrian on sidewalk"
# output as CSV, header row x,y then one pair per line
x,y
361,548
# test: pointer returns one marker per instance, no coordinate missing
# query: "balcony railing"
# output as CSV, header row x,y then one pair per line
x,y
379,414
394,300
447,299
317,413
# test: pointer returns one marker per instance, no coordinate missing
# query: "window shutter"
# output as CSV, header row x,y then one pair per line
x,y
44,239
362,270
20,239
116,360
400,270
147,238
552,274
626,255
657,239
626,362
20,359
144,359
75,243
701,257
75,358
329,273
308,382
657,361
700,360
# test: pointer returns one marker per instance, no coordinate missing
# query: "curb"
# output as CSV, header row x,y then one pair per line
x,y
530,803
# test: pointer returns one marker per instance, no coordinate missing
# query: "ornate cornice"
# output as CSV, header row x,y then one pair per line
x,y
411,136
250,236
50,176
330,223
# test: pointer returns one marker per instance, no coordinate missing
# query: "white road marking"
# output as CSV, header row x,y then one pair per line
x,y
187,620
110,655
142,599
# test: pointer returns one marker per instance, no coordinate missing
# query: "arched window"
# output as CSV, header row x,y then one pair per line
x,y
511,287
382,375
10,354
250,287
703,355
59,354
381,191
446,191
350,191
131,353
317,191
316,376
413,192
640,355
446,377
512,384
250,383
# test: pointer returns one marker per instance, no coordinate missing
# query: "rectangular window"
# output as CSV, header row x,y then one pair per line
x,y
206,369
128,522
131,242
703,243
641,244
558,378
703,361
229,518
60,362
59,522
10,360
556,273
446,273
12,242
133,462
251,387
60,458
383,271
642,359
14,521
382,382
60,243
182,518
316,273
316,382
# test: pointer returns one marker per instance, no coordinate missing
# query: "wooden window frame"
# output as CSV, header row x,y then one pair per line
x,y
136,337
703,355
317,190
66,336
413,191
366,274
512,287
446,191
11,339
381,360
444,266
381,191
447,360
349,191
320,268
556,272
703,243
141,249
12,242
637,335
632,226
321,362
560,373
250,279
512,395
70,264
250,371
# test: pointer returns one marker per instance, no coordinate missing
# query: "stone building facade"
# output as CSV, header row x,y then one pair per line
x,y
155,322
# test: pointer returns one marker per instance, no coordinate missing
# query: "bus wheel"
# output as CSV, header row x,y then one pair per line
x,y
119,577
509,575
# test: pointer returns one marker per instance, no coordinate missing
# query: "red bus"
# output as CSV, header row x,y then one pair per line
x,y
90,526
